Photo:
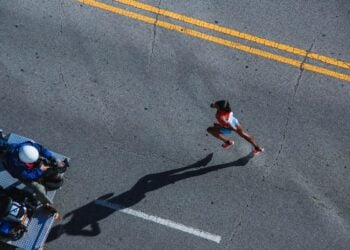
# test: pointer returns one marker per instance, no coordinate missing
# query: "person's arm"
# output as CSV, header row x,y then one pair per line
x,y
31,174
226,120
3,145
48,155
44,152
231,127
34,173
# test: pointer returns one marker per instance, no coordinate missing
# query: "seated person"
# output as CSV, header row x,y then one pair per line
x,y
23,162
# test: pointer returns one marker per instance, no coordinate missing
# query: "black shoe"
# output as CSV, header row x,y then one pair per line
x,y
50,208
53,211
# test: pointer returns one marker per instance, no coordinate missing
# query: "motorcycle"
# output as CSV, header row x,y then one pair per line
x,y
16,210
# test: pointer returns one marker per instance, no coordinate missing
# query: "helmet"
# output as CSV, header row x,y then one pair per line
x,y
28,154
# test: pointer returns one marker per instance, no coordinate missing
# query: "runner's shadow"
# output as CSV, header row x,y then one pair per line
x,y
84,220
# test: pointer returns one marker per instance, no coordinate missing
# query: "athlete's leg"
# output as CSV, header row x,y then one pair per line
x,y
217,130
247,137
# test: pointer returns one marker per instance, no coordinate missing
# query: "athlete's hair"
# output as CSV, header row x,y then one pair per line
x,y
223,105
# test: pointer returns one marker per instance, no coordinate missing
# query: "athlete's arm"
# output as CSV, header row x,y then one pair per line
x,y
225,120
228,124
231,127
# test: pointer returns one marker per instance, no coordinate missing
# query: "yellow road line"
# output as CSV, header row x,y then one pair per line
x,y
236,33
227,43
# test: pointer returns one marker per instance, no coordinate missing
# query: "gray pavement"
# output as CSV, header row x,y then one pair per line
x,y
125,99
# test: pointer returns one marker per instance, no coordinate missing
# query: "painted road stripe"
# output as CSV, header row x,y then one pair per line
x,y
236,33
164,222
227,43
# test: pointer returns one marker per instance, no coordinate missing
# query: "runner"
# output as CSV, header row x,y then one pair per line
x,y
227,124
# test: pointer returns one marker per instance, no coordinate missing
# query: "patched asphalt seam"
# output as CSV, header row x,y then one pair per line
x,y
155,28
290,106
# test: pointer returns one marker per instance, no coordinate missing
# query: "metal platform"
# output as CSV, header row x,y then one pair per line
x,y
41,222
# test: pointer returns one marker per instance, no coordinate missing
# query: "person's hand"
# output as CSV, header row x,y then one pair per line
x,y
44,167
60,164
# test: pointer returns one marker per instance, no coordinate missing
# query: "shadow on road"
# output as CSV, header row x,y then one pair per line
x,y
84,220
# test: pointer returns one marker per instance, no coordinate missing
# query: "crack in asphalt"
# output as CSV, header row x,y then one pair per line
x,y
296,87
61,17
238,221
286,189
62,14
236,228
155,28
62,76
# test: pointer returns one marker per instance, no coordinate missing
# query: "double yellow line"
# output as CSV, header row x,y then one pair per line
x,y
283,47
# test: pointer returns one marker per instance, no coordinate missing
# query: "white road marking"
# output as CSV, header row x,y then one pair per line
x,y
164,222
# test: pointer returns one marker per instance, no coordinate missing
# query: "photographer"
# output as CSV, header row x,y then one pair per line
x,y
29,162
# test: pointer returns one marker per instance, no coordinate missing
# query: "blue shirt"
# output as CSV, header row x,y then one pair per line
x,y
17,168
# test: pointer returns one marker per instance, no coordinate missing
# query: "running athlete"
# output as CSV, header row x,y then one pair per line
x,y
227,124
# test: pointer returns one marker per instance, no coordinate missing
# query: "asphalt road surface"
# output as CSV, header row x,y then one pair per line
x,y
127,97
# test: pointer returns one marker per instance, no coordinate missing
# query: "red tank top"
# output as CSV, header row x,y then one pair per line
x,y
223,117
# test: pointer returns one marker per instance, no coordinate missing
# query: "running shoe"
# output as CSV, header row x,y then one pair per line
x,y
257,151
228,144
